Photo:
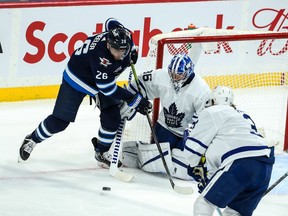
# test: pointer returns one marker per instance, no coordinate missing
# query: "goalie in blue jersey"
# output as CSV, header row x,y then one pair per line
x,y
92,70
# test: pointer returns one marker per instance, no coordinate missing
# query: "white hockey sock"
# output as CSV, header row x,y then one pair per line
x,y
230,212
203,207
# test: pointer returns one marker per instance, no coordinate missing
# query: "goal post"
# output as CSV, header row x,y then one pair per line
x,y
253,63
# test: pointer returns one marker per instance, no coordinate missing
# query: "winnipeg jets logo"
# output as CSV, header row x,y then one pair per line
x,y
105,62
172,117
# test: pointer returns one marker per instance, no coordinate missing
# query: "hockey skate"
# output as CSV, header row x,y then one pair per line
x,y
103,158
26,149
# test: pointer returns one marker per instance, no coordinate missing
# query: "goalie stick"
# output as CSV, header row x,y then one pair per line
x,y
178,189
117,150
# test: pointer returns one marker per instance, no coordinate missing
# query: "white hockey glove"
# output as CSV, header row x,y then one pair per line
x,y
127,111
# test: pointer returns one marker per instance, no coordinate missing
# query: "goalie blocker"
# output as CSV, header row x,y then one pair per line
x,y
137,154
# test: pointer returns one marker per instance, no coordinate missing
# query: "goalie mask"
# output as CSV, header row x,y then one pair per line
x,y
180,69
120,39
222,95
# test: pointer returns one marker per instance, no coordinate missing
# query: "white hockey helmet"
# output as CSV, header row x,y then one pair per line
x,y
222,95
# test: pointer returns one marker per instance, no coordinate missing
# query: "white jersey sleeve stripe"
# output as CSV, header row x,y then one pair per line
x,y
132,88
192,151
107,88
78,84
106,85
248,150
197,142
107,93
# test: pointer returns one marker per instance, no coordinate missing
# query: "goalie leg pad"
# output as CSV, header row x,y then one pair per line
x,y
130,154
150,159
180,165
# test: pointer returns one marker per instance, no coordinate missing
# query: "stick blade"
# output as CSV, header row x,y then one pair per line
x,y
126,177
183,190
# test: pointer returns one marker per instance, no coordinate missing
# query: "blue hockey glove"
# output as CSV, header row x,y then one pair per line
x,y
142,105
199,174
134,55
201,185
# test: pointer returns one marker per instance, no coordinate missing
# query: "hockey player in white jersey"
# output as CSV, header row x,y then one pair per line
x,y
182,94
238,162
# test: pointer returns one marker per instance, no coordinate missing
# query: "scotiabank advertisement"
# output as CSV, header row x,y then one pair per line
x,y
36,42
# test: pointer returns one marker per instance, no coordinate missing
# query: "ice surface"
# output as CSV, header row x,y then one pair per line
x,y
61,178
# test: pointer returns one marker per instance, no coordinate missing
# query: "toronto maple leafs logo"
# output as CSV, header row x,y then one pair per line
x,y
172,117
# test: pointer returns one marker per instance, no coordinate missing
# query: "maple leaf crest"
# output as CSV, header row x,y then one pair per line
x,y
172,117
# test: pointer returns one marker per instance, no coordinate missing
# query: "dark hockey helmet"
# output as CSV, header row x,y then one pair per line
x,y
119,38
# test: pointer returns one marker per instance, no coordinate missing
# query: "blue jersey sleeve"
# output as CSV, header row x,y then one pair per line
x,y
106,84
122,94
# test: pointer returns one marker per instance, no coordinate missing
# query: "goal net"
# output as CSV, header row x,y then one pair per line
x,y
253,63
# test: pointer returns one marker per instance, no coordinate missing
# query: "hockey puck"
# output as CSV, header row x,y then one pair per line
x,y
106,188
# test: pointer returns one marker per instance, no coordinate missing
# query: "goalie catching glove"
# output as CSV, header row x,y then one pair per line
x,y
141,104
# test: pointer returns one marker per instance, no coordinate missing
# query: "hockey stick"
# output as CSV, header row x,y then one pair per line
x,y
117,150
219,211
178,189
276,183
113,169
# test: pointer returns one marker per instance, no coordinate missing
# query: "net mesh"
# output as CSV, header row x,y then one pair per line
x,y
253,63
